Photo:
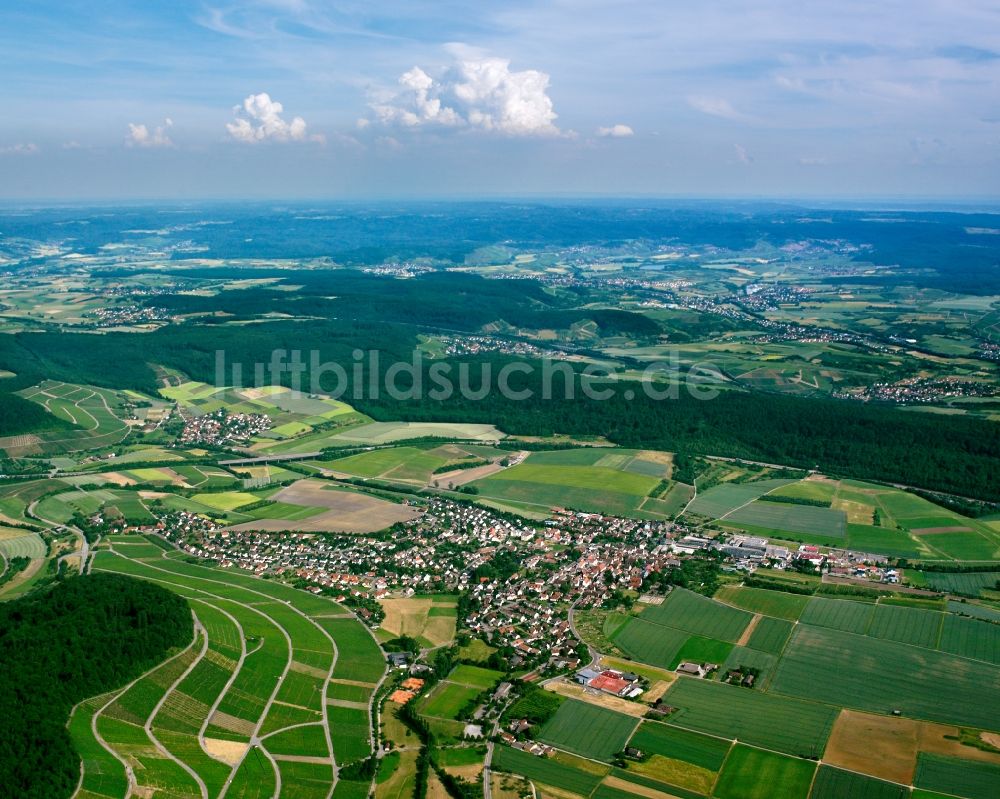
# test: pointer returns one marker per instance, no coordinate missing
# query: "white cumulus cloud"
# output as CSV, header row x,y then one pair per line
x,y
259,119
618,131
742,154
23,148
477,93
141,136
714,106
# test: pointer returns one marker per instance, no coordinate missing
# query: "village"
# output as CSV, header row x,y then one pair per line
x,y
520,580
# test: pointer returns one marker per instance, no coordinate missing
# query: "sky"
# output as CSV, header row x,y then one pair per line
x,y
264,99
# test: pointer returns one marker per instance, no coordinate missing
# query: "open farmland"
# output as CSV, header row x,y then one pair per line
x,y
452,694
760,600
246,701
692,613
954,776
96,414
546,771
856,671
15,543
650,643
673,742
963,583
785,518
835,783
789,725
342,510
756,774
429,619
549,482
721,500
588,730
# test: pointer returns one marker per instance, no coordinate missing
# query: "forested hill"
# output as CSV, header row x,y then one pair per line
x,y
83,637
958,455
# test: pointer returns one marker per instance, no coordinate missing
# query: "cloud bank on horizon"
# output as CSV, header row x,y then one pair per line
x,y
643,96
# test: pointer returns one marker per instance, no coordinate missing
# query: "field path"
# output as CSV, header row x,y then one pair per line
x,y
745,638
198,629
129,773
194,583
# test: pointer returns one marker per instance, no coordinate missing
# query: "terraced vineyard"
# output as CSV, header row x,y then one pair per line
x,y
253,707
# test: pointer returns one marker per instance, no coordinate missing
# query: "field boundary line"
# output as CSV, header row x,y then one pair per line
x,y
229,682
129,773
198,627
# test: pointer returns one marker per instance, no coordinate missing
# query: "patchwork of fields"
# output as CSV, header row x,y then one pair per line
x,y
595,480
96,414
831,674
251,705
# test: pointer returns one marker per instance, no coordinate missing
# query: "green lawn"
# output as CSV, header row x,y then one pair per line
x,y
447,699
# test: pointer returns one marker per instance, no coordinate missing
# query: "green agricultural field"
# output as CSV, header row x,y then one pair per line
x,y
816,490
15,543
389,432
745,657
698,615
286,635
663,739
835,783
964,546
956,777
589,488
881,676
226,500
839,614
770,635
702,650
975,610
384,462
783,517
546,771
883,541
755,774
93,412
587,730
907,625
760,600
971,638
720,500
962,583
650,643
788,725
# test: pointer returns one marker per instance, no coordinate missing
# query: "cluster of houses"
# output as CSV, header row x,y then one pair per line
x,y
128,315
220,427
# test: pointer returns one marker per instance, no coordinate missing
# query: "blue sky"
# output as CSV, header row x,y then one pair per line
x,y
299,98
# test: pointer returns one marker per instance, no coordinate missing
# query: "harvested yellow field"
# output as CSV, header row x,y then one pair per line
x,y
430,618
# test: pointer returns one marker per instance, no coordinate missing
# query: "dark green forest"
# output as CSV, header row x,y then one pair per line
x,y
958,455
83,637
